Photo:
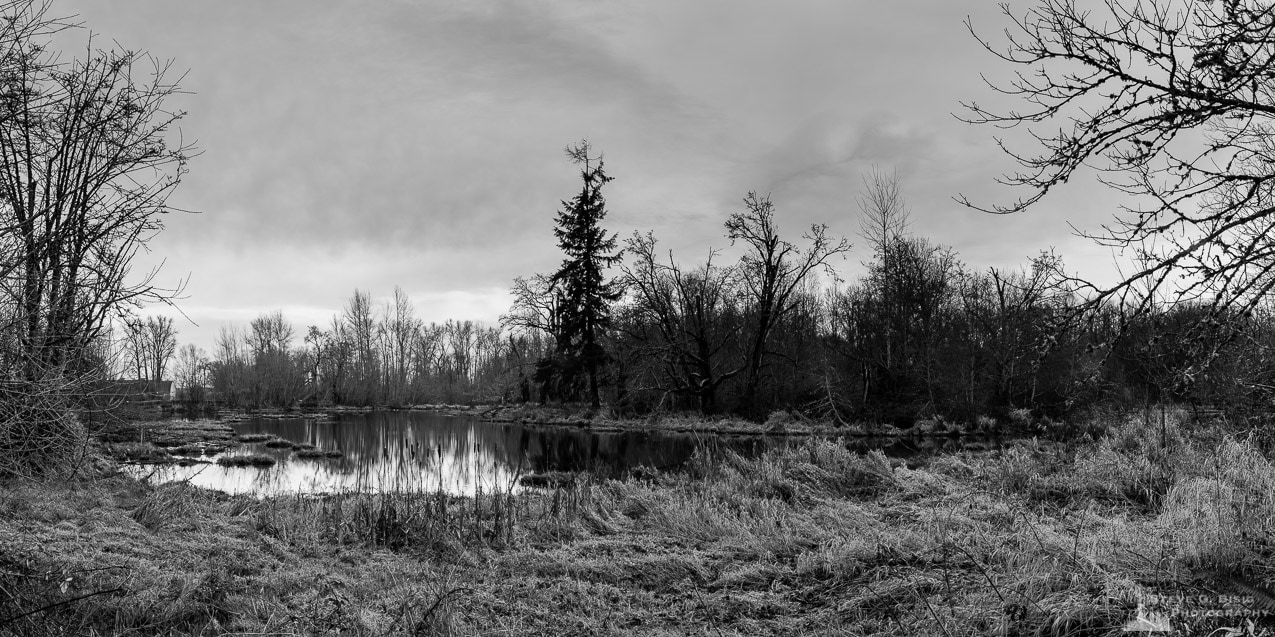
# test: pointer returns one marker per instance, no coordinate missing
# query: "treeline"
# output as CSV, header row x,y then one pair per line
x,y
918,334
366,356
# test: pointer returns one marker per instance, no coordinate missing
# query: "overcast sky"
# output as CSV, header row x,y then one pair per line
x,y
419,143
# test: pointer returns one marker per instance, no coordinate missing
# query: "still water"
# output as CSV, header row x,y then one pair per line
x,y
425,451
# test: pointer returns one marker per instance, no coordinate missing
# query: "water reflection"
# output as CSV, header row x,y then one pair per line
x,y
424,451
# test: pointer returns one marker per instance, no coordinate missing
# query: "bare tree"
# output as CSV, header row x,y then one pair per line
x,y
163,344
361,329
149,345
231,365
885,213
401,326
536,306
191,373
694,316
884,225
1173,103
277,369
772,270
88,158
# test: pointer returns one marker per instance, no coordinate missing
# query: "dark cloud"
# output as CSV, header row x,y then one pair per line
x,y
419,143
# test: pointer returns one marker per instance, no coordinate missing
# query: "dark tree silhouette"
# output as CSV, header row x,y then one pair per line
x,y
584,304
687,320
773,271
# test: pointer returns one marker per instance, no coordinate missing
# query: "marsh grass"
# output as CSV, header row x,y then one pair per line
x,y
1037,539
250,460
163,505
423,522
139,452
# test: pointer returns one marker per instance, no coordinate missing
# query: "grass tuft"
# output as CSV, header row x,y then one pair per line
x,y
250,460
312,453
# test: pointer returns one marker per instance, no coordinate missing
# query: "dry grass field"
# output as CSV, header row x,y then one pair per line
x,y
1034,539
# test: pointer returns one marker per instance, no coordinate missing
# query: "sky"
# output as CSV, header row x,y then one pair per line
x,y
419,144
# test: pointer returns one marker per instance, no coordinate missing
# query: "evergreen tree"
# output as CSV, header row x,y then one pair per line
x,y
586,296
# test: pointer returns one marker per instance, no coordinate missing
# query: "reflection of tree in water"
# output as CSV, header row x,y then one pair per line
x,y
566,449
422,451
561,449
403,451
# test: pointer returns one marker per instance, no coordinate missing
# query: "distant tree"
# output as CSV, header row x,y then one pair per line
x,y
88,159
149,345
278,369
364,377
885,216
401,327
134,348
913,284
270,332
586,295
1173,103
191,373
773,270
231,366
884,225
330,356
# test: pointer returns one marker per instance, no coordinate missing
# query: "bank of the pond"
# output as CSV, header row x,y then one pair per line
x,y
519,440
811,539
780,423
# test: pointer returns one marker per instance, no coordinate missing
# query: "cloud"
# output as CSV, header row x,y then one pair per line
x,y
419,143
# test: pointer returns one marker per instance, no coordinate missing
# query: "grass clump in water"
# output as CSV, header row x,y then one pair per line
x,y
250,460
139,452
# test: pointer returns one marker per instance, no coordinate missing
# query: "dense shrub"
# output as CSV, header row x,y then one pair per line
x,y
39,433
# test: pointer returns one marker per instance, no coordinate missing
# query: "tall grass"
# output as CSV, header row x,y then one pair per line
x,y
393,519
1036,539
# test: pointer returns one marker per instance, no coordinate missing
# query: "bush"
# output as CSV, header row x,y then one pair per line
x,y
39,433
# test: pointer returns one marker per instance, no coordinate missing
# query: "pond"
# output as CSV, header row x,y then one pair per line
x,y
427,451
